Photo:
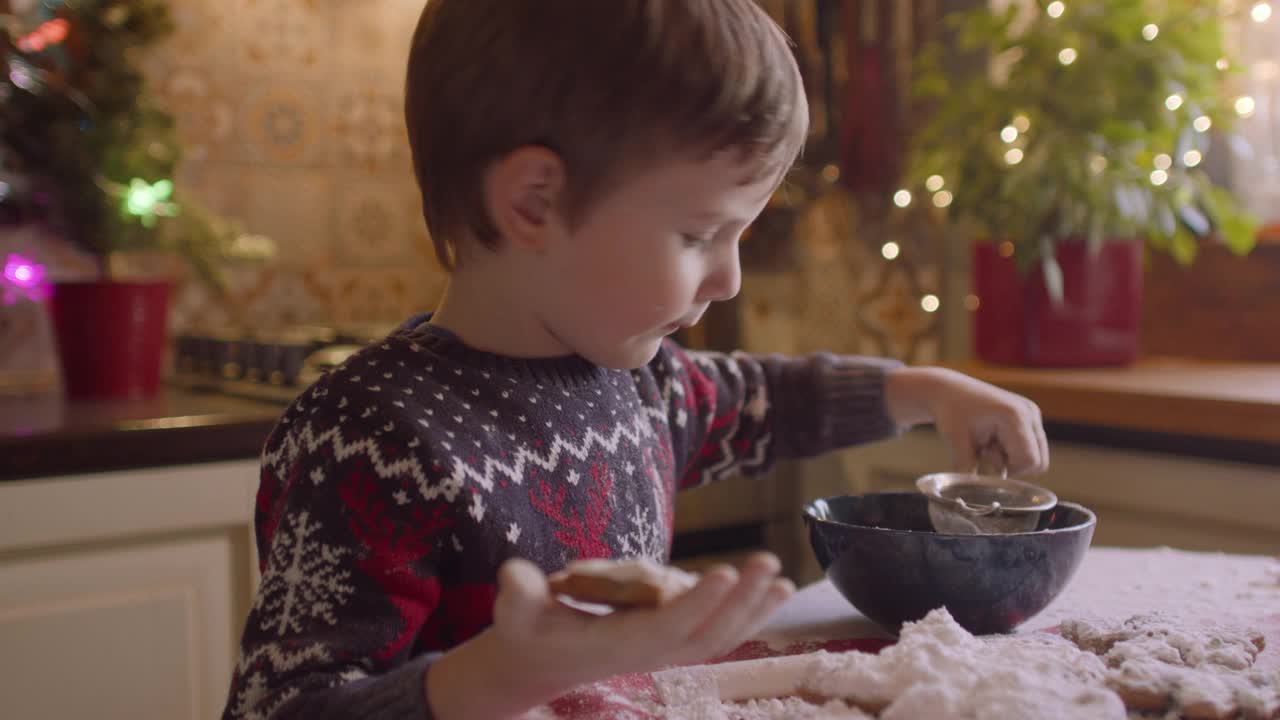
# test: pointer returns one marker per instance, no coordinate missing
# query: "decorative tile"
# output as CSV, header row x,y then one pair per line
x,y
294,207
374,36
202,107
193,307
216,185
290,35
377,221
283,123
378,295
290,298
893,314
204,30
369,129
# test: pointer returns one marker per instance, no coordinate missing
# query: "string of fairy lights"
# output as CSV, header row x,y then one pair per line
x,y
138,199
941,196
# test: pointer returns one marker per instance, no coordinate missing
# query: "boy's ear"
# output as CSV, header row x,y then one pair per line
x,y
523,191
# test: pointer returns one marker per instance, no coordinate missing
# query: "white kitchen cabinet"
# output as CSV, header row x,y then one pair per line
x,y
1141,499
122,594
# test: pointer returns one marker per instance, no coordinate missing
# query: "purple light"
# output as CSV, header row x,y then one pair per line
x,y
23,278
23,272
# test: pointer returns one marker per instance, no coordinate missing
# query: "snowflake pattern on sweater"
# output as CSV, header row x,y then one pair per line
x,y
394,488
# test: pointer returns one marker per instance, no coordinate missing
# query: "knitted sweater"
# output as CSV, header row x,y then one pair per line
x,y
393,489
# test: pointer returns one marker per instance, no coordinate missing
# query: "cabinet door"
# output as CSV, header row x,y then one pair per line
x,y
129,631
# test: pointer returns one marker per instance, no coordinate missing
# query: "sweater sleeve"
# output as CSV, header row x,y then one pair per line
x,y
348,578
738,413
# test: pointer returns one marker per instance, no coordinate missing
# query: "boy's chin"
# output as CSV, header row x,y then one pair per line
x,y
634,354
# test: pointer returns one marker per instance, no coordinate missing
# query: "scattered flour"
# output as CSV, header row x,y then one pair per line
x,y
1147,664
937,669
1158,637
794,708
767,709
1186,675
1203,673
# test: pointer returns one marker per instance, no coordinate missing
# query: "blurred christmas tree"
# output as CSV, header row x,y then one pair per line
x,y
83,148
1091,121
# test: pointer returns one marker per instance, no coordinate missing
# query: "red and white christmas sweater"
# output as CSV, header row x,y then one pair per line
x,y
394,487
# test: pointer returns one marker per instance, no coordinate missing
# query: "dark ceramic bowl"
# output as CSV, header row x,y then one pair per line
x,y
881,552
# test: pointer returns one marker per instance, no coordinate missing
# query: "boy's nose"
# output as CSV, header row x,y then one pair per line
x,y
725,279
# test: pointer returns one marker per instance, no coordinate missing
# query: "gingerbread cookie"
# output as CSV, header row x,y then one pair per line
x,y
637,583
1160,638
1157,665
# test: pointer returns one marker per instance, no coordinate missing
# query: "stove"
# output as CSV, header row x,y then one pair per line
x,y
273,366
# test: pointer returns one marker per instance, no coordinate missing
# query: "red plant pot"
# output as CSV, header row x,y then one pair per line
x,y
111,337
1096,324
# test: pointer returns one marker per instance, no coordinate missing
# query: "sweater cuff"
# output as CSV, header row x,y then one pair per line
x,y
405,692
396,695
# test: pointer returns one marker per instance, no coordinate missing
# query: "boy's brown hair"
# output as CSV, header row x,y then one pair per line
x,y
608,85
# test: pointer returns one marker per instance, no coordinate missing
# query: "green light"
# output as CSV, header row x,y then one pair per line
x,y
140,198
146,200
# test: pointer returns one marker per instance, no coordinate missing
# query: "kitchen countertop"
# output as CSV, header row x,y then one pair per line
x,y
1219,410
1214,410
46,436
1112,584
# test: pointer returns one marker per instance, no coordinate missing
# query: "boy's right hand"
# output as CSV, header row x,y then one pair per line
x,y
539,648
722,610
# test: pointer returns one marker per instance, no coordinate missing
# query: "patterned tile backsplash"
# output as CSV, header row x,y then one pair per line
x,y
290,112
843,295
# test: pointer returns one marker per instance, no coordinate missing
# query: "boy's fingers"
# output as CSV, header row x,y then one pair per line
x,y
739,609
962,448
779,591
1027,456
1020,445
688,612
522,590
1037,422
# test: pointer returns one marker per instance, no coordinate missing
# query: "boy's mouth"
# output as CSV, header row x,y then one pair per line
x,y
686,322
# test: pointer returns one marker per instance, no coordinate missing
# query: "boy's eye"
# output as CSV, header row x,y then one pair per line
x,y
693,240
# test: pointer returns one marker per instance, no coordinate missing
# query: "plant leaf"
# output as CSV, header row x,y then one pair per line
x,y
1195,220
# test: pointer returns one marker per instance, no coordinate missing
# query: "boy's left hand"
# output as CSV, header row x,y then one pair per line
x,y
970,415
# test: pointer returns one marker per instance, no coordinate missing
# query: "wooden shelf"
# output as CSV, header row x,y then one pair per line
x,y
1159,395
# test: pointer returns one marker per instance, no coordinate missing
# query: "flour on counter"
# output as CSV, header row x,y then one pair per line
x,y
1204,672
767,709
1146,664
1190,588
796,708
1158,637
937,669
1200,665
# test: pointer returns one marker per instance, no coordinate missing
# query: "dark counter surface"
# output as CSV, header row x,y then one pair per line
x,y
1182,408
48,436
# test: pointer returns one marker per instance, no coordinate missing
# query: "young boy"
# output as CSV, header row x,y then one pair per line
x,y
587,169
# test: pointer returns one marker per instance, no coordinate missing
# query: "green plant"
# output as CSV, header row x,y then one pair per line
x,y
85,149
1082,120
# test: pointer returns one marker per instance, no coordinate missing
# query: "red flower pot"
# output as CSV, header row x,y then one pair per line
x,y
111,337
1096,324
